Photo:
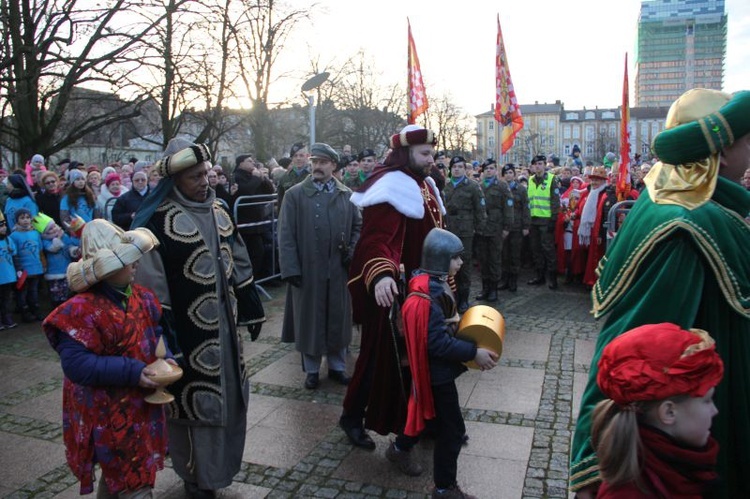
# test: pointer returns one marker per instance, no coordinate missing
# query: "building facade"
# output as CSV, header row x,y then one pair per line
x,y
550,129
681,45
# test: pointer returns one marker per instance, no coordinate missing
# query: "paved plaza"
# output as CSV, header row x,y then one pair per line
x,y
519,416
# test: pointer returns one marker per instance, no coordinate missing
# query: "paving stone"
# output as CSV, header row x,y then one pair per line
x,y
553,337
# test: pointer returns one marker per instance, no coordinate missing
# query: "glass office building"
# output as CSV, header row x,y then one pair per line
x,y
681,45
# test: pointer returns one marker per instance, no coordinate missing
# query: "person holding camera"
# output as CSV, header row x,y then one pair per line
x,y
318,229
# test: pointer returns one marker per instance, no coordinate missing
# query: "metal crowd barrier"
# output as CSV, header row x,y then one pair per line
x,y
269,202
107,215
616,216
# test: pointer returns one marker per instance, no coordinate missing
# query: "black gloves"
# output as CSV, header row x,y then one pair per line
x,y
254,330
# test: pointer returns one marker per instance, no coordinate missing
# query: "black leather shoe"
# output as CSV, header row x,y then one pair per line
x,y
312,381
358,436
193,492
339,377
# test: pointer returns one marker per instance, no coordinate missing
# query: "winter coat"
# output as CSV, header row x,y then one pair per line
x,y
312,227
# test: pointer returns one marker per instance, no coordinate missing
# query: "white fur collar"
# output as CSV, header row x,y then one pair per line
x,y
400,191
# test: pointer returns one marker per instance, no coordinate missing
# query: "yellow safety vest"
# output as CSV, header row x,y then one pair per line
x,y
539,196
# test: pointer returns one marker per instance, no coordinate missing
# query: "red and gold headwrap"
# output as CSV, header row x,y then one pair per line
x,y
658,361
412,135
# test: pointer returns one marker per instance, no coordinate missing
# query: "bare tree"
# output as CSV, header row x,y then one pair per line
x,y
52,47
453,126
261,32
371,112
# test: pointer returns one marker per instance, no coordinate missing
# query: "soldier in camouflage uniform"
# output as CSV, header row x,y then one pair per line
x,y
489,238
351,172
544,205
298,170
515,230
464,204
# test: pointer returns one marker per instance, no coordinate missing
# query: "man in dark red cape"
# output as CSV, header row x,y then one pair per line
x,y
400,204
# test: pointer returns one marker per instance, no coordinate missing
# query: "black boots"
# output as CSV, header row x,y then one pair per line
x,y
512,283
485,290
492,292
489,292
552,280
27,315
463,300
504,281
539,279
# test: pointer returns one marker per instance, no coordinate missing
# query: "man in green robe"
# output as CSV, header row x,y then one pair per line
x,y
682,256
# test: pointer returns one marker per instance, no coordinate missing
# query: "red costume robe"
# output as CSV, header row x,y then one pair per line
x,y
399,209
111,425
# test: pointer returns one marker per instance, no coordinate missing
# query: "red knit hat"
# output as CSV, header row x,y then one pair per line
x,y
111,178
412,135
658,361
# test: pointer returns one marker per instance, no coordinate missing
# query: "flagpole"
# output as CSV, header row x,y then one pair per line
x,y
623,177
507,110
416,93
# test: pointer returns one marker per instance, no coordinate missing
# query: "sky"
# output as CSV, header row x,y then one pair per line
x,y
572,50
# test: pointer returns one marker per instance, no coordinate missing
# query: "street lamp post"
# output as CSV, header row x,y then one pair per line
x,y
312,84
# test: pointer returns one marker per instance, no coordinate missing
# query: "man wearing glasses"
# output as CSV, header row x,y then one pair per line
x,y
544,204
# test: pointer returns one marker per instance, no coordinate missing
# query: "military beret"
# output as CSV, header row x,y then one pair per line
x,y
365,153
457,159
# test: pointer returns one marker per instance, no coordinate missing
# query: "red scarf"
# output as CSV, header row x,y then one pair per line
x,y
416,316
671,470
686,472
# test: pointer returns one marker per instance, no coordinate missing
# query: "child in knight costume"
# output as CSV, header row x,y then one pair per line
x,y
435,359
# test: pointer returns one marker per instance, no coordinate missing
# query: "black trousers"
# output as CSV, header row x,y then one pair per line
x,y
450,432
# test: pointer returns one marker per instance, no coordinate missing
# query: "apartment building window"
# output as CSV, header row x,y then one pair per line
x,y
576,133
492,124
566,132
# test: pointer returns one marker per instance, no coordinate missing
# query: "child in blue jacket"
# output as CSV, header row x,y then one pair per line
x,y
59,249
29,261
7,275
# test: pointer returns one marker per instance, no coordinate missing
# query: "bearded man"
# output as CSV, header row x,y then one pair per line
x,y
400,204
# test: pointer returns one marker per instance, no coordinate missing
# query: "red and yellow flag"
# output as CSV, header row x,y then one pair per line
x,y
623,175
417,95
507,110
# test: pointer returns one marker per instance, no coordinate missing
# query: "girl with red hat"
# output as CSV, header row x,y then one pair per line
x,y
652,431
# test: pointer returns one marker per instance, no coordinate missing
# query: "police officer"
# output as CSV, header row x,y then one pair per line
x,y
489,239
515,230
464,204
544,205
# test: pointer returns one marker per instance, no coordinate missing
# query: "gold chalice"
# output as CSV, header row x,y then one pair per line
x,y
166,374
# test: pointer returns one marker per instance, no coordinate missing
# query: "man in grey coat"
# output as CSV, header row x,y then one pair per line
x,y
318,229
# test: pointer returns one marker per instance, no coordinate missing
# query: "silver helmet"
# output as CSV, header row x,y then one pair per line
x,y
440,246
